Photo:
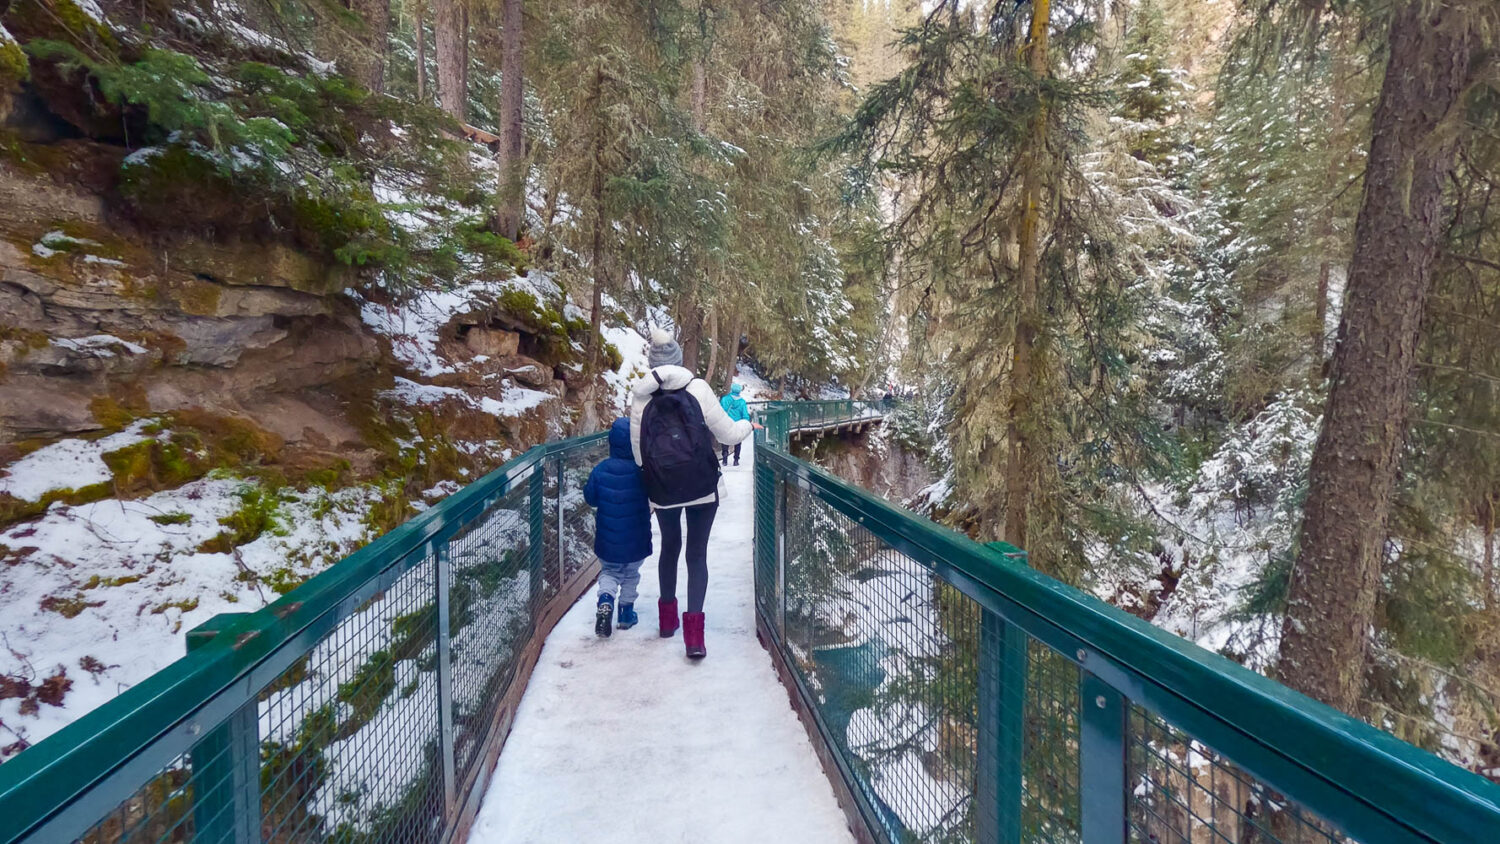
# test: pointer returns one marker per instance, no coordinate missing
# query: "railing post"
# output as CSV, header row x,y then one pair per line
x,y
444,587
226,764
1002,733
1101,761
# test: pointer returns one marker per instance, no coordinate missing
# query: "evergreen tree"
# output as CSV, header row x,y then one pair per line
x,y
1334,583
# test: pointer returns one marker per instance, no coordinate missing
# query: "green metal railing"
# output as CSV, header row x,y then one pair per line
x,y
816,416
367,705
960,695
965,697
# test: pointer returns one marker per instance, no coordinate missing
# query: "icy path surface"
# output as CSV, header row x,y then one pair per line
x,y
624,739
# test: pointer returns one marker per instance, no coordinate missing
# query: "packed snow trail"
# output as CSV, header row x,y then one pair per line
x,y
624,739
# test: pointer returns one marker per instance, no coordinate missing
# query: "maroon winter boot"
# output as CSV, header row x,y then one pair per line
x,y
692,635
667,611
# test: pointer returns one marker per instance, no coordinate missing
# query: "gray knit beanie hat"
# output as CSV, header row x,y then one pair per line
x,y
664,350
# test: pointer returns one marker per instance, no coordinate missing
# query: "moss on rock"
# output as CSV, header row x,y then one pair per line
x,y
14,68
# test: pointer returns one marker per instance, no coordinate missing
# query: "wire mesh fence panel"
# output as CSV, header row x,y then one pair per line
x,y
490,615
888,653
346,744
550,560
1051,806
1183,792
576,515
767,592
161,812
951,722
349,734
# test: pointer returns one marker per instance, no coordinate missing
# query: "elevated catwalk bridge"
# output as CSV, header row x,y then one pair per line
x,y
418,692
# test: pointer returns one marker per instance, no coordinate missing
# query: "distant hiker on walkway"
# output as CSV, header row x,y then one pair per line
x,y
738,410
674,419
622,528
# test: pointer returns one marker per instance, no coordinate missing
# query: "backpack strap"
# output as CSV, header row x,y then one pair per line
x,y
662,388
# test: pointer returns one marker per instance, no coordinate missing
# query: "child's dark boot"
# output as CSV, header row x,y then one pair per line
x,y
604,615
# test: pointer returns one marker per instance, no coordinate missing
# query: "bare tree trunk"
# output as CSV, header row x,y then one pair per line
x,y
451,33
1331,602
690,329
1337,120
419,25
711,372
596,253
732,350
1487,524
367,65
700,93
1020,474
590,421
690,307
512,130
1320,318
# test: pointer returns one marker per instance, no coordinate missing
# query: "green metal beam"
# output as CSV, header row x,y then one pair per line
x,y
1369,783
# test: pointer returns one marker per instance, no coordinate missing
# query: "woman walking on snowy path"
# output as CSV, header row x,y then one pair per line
x,y
674,417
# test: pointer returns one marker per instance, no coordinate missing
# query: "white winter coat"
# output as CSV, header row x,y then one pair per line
x,y
724,429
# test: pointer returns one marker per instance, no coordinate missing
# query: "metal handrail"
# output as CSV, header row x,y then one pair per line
x,y
1356,779
61,787
57,789
1361,780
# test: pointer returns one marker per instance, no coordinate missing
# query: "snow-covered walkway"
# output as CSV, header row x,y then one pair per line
x,y
624,739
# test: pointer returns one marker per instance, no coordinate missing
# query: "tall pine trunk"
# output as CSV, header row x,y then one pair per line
x,y
1487,526
732,350
1338,119
711,371
690,329
590,418
1331,602
512,138
367,63
689,309
596,199
451,36
1020,472
419,25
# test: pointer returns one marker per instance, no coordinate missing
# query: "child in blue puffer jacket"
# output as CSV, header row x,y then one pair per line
x,y
622,528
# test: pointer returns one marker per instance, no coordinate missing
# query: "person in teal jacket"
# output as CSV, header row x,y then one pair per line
x,y
737,410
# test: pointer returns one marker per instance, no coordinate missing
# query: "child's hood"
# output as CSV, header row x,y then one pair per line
x,y
619,440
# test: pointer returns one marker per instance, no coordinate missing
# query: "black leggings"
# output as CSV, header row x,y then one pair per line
x,y
724,450
700,520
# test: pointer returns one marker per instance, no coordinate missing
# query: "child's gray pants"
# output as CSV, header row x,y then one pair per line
x,y
619,580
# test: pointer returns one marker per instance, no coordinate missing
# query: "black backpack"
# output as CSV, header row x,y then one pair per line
x,y
677,456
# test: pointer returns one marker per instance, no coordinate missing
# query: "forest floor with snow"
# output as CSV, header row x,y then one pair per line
x,y
99,595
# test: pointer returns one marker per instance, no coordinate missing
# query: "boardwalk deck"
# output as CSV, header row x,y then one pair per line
x,y
624,735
